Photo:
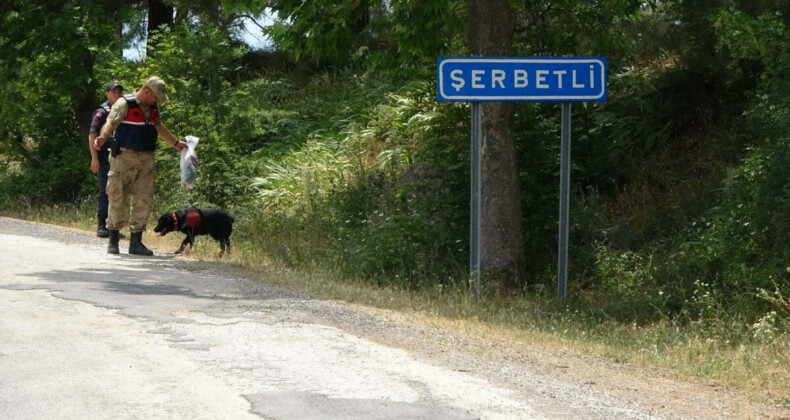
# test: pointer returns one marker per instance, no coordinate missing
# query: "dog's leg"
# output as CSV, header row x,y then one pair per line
x,y
183,245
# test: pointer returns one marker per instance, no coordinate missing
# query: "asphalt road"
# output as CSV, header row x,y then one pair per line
x,y
84,334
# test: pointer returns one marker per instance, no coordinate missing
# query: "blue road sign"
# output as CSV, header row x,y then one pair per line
x,y
521,79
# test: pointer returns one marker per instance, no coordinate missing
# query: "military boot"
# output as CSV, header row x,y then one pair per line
x,y
113,247
136,246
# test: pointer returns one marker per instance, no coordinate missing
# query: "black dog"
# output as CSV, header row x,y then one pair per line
x,y
198,221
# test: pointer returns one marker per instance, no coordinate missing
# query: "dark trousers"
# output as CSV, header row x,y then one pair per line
x,y
103,200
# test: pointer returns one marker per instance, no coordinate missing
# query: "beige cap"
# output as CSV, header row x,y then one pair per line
x,y
157,86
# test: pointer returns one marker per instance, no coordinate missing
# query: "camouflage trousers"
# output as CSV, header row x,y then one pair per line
x,y
131,174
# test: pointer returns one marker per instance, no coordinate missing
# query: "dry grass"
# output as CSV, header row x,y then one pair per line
x,y
758,370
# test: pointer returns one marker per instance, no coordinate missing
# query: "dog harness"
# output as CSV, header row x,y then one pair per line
x,y
191,219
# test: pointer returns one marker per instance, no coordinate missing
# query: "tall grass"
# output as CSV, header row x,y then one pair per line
x,y
339,197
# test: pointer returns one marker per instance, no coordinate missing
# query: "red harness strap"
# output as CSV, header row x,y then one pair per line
x,y
192,218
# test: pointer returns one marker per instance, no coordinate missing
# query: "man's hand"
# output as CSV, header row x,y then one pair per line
x,y
94,165
98,142
181,145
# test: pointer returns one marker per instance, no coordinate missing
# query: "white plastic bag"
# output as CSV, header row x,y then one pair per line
x,y
189,162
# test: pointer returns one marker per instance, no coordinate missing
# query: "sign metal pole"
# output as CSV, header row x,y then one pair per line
x,y
475,206
565,180
520,79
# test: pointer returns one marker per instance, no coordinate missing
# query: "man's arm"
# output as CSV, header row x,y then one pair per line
x,y
96,120
104,134
117,114
94,153
164,133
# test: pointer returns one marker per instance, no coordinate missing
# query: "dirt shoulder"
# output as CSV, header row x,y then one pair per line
x,y
493,354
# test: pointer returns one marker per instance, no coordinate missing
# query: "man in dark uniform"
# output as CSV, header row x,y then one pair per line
x,y
100,163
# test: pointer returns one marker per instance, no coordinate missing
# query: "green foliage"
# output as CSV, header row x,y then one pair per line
x,y
199,63
390,36
47,56
728,265
574,27
349,195
406,28
320,30
761,39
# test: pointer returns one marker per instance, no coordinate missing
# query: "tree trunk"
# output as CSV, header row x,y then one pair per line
x,y
490,34
83,102
159,14
363,17
84,105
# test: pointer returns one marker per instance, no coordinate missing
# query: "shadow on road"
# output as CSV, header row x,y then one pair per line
x,y
132,281
150,281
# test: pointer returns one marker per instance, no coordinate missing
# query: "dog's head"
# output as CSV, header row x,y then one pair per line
x,y
165,224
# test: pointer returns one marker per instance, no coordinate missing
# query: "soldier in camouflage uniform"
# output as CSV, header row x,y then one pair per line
x,y
135,120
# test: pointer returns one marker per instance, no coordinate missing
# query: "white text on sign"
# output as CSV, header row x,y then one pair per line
x,y
520,79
